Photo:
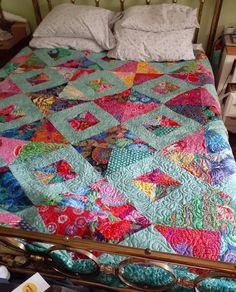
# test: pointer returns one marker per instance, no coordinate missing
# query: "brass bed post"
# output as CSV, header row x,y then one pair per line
x,y
122,5
37,11
49,5
214,25
200,10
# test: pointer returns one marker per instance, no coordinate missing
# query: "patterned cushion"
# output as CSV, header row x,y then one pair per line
x,y
157,18
149,46
73,21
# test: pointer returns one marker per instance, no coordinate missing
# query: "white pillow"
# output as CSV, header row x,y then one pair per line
x,y
158,18
72,21
150,46
67,43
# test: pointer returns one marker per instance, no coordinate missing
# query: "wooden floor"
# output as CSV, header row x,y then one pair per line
x,y
232,141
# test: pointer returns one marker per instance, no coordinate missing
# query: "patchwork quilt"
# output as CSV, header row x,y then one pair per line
x,y
123,152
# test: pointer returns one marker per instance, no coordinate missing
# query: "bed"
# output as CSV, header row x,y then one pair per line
x,y
130,189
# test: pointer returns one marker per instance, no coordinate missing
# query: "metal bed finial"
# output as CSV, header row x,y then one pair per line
x,y
122,5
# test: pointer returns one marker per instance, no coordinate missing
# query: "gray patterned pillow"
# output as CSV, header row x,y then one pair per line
x,y
150,46
72,21
158,18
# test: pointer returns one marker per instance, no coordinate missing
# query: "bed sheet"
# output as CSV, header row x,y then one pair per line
x,y
132,153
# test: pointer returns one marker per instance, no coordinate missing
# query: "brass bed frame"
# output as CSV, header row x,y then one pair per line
x,y
14,254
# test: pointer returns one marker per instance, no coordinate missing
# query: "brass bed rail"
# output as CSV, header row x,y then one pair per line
x,y
44,262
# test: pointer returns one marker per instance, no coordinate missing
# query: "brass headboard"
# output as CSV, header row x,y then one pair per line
x,y
212,32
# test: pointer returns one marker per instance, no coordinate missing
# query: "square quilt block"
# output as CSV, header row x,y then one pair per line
x,y
160,190
160,127
163,88
53,173
98,84
57,56
36,80
82,121
16,111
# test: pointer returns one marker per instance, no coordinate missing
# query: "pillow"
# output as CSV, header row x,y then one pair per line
x,y
78,21
162,17
67,43
151,46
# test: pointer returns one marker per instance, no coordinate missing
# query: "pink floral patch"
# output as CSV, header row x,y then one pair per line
x,y
56,172
83,121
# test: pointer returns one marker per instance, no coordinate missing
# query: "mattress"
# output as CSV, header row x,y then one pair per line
x,y
132,153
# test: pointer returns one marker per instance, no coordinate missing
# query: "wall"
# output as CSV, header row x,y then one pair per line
x,y
228,14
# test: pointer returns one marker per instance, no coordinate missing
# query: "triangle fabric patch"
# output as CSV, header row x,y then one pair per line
x,y
33,63
197,96
8,88
199,79
156,184
49,134
193,242
10,149
24,132
44,99
146,68
144,77
126,77
128,67
61,104
121,158
13,196
35,148
190,144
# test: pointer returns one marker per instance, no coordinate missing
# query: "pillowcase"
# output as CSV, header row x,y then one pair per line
x,y
79,21
151,46
67,43
162,17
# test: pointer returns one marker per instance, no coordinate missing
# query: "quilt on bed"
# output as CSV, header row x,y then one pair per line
x,y
123,152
